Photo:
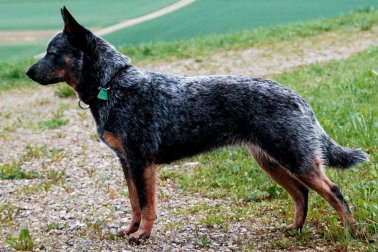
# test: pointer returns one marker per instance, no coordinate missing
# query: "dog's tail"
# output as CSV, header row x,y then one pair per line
x,y
339,157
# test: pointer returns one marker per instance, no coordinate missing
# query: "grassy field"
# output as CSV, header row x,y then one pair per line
x,y
45,14
363,19
204,18
12,74
13,54
351,120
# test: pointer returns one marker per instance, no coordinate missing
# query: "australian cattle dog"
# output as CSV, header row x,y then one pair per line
x,y
151,118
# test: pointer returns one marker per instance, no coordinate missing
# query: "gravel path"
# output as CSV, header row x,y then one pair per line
x,y
82,210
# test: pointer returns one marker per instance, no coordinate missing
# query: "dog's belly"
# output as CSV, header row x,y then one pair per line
x,y
186,144
168,154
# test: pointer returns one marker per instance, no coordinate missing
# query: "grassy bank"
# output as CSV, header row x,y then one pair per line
x,y
211,17
363,19
343,95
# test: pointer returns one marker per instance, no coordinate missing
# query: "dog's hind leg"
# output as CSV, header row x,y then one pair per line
x,y
319,182
297,191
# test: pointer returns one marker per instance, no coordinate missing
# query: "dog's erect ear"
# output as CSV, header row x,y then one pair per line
x,y
77,35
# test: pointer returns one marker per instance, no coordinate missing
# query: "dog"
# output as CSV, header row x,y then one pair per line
x,y
151,118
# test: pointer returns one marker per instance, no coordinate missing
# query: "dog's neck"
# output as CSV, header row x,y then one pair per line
x,y
99,69
106,61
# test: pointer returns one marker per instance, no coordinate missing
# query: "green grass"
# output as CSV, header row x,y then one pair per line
x,y
64,91
343,95
14,171
23,242
11,54
8,212
45,14
202,46
53,123
210,17
12,75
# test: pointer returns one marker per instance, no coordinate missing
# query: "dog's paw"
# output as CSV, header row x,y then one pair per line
x,y
138,236
126,231
293,227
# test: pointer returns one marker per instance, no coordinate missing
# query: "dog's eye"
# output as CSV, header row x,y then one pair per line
x,y
51,52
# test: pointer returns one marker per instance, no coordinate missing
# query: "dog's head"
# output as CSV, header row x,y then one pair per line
x,y
65,52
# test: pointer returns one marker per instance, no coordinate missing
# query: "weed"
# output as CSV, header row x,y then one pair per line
x,y
36,152
96,229
90,171
13,171
162,195
64,91
32,152
112,237
9,212
52,124
56,226
112,192
94,136
172,226
68,189
204,242
281,243
23,242
12,126
56,176
36,188
125,194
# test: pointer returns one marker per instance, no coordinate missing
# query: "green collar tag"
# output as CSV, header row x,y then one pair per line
x,y
103,94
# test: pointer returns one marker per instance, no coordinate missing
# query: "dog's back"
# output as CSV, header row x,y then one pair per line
x,y
195,114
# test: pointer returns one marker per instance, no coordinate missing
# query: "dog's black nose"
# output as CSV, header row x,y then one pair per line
x,y
30,72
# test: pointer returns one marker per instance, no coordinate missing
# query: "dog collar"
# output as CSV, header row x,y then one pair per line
x,y
103,93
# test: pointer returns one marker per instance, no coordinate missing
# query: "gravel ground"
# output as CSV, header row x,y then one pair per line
x,y
82,210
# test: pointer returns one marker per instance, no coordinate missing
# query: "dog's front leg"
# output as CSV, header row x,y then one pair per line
x,y
145,183
135,209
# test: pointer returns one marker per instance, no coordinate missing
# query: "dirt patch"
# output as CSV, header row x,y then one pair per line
x,y
269,59
22,37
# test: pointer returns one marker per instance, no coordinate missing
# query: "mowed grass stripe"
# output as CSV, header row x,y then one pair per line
x,y
45,14
204,18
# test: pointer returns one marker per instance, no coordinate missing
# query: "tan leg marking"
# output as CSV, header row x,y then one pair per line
x,y
113,141
297,191
135,211
149,210
320,183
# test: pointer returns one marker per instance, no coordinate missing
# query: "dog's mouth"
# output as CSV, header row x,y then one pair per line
x,y
42,79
